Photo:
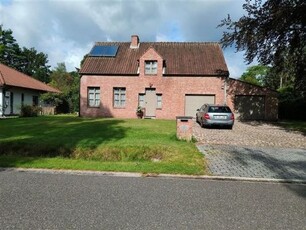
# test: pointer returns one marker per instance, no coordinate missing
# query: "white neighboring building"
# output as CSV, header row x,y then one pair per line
x,y
17,89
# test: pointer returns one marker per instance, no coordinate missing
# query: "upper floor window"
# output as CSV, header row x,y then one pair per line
x,y
150,67
93,96
119,97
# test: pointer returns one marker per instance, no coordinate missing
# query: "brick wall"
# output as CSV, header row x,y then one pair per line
x,y
236,87
173,90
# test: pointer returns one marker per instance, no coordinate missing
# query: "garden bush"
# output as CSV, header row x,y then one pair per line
x,y
29,111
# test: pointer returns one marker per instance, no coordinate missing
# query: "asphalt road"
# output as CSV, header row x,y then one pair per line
x,y
30,200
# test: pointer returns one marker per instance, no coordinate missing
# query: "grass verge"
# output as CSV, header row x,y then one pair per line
x,y
126,145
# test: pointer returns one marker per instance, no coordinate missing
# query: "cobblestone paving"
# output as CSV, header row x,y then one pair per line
x,y
250,134
255,162
256,150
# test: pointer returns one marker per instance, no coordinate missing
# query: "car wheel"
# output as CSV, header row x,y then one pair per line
x,y
230,127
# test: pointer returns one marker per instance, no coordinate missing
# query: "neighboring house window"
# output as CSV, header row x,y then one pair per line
x,y
12,103
93,96
150,67
35,100
141,98
22,99
119,97
159,101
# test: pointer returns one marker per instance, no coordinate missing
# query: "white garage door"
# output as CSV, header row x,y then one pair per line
x,y
194,102
249,107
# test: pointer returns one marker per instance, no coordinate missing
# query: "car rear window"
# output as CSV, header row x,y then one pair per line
x,y
219,109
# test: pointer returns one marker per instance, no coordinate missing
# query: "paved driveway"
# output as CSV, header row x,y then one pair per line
x,y
254,149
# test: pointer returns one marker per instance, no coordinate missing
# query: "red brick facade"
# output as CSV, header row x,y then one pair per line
x,y
173,90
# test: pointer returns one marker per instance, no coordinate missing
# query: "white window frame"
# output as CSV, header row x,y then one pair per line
x,y
93,94
151,67
141,100
119,97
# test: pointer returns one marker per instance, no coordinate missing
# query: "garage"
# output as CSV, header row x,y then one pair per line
x,y
194,102
249,107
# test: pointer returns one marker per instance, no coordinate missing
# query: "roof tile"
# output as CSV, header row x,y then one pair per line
x,y
12,77
182,58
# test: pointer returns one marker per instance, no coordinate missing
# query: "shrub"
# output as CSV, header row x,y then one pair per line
x,y
292,104
292,110
29,111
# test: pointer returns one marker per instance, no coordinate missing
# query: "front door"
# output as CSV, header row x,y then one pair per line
x,y
150,102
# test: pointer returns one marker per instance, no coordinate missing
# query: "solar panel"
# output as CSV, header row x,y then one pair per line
x,y
104,51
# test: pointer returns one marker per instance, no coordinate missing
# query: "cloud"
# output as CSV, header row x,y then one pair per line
x,y
66,29
171,31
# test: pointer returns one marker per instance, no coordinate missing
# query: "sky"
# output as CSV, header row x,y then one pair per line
x,y
66,30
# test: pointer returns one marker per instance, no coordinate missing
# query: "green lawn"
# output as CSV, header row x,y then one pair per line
x,y
126,145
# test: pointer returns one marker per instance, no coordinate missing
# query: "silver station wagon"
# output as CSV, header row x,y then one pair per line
x,y
215,115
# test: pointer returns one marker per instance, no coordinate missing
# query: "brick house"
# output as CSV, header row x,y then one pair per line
x,y
167,79
17,89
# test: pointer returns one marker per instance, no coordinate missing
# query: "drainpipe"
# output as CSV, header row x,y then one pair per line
x,y
225,88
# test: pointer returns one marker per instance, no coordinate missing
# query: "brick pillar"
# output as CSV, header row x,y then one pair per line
x,y
184,128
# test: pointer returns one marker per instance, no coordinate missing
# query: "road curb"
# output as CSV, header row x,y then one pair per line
x,y
246,179
73,172
154,175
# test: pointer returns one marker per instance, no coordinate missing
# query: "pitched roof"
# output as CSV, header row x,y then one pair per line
x,y
181,58
12,77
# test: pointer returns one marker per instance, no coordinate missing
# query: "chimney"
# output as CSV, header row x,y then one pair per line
x,y
134,42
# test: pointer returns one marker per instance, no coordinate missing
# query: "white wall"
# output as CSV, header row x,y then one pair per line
x,y
17,92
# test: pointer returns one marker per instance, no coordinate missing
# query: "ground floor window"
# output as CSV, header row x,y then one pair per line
x,y
93,96
141,100
159,101
119,97
22,99
35,100
12,102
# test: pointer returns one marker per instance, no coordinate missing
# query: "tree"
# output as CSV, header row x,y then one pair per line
x,y
256,75
68,83
1,48
75,92
274,32
35,64
10,51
